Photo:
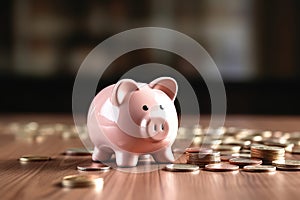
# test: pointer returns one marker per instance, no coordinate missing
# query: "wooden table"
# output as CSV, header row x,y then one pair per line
x,y
38,180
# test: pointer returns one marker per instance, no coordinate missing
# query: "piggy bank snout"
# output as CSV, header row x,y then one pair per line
x,y
157,128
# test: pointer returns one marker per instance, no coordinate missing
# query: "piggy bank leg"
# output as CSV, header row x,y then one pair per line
x,y
164,156
125,159
101,154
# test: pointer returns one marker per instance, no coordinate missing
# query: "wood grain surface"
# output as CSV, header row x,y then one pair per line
x,y
39,180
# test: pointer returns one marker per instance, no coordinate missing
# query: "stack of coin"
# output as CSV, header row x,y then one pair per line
x,y
267,154
203,158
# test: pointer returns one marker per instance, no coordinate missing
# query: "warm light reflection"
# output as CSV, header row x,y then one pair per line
x,y
195,172
40,139
235,172
99,184
271,173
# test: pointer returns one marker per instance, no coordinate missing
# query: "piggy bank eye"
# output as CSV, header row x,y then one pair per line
x,y
161,107
145,108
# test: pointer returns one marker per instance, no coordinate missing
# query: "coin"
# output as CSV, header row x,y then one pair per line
x,y
259,168
73,181
77,152
267,153
288,168
296,151
93,167
203,158
268,148
198,150
227,158
34,158
287,163
181,167
245,161
242,155
221,167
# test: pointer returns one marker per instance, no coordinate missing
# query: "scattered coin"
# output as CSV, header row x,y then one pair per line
x,y
245,151
288,168
221,167
93,167
259,168
73,181
287,163
181,167
34,158
227,158
296,151
77,152
198,150
245,161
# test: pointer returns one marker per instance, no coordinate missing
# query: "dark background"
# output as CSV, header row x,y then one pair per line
x,y
255,44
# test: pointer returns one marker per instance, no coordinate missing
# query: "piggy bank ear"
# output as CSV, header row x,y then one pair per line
x,y
121,89
167,85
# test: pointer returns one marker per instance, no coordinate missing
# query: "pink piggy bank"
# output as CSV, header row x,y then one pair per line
x,y
131,119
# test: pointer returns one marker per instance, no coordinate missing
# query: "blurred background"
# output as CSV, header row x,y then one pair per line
x,y
255,44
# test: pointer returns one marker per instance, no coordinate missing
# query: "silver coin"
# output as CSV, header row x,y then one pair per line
x,y
259,168
93,167
221,167
181,167
287,163
288,168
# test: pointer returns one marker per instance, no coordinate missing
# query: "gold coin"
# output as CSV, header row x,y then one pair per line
x,y
259,168
221,167
32,158
79,181
181,167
